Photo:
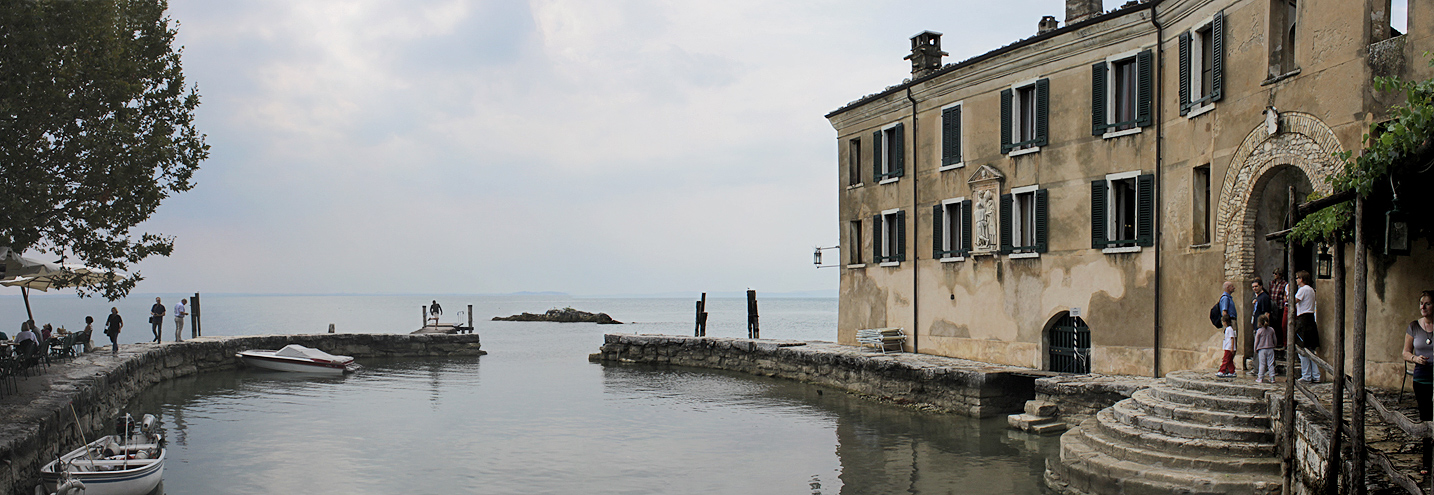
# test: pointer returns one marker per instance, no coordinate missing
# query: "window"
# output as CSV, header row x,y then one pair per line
x,y
889,245
1023,221
853,161
1023,117
1121,93
1122,212
1283,16
951,136
887,153
951,229
1200,205
854,239
1202,66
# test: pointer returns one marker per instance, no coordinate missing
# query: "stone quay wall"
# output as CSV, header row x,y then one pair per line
x,y
38,422
955,385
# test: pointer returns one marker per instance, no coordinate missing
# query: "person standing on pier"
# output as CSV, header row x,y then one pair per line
x,y
179,314
1306,332
156,318
434,311
112,329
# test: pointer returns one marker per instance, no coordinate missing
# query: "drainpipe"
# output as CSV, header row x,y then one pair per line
x,y
1159,176
915,270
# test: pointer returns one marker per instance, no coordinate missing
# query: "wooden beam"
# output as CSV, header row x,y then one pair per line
x,y
1305,209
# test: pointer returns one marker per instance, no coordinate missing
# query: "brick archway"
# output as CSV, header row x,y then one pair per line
x,y
1304,142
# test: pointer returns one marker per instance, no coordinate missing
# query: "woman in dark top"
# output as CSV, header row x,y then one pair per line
x,y
112,329
1419,349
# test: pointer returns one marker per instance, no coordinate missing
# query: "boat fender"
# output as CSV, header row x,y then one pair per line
x,y
72,487
143,454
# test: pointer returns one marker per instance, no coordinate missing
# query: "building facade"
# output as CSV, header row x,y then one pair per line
x,y
1074,201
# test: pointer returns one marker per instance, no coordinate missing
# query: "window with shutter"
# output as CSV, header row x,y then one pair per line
x,y
1202,66
900,236
1122,212
888,153
1005,224
1006,121
853,161
854,241
949,225
878,239
1122,90
890,237
1098,218
1026,221
951,137
965,227
1024,123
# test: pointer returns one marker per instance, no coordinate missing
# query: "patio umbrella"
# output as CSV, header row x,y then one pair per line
x,y
27,274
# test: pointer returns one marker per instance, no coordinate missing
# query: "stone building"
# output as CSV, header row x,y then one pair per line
x,y
1074,200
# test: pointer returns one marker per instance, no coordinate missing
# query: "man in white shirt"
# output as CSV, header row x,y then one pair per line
x,y
179,314
1306,332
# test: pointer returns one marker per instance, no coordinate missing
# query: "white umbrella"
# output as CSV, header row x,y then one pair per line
x,y
26,273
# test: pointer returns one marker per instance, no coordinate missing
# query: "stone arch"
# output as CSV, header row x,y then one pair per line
x,y
1303,141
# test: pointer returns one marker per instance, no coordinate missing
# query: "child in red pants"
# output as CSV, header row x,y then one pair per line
x,y
1227,365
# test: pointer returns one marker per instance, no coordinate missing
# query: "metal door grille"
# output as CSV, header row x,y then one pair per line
x,y
1070,346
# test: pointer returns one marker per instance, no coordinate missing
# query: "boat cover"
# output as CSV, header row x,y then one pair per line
x,y
298,351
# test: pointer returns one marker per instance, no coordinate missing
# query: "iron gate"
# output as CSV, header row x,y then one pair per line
x,y
1070,346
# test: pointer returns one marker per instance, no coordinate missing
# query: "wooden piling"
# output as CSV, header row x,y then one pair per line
x,y
470,318
701,330
1361,300
753,330
1332,468
196,329
1287,430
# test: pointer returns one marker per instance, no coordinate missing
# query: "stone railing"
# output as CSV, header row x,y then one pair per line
x,y
39,421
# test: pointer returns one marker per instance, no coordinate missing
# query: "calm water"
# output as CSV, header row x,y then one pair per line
x,y
535,417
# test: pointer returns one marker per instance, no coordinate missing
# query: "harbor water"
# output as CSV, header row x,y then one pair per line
x,y
534,416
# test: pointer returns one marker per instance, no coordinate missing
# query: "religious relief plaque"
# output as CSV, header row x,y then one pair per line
x,y
985,200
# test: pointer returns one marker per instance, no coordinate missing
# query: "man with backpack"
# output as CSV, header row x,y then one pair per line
x,y
1224,311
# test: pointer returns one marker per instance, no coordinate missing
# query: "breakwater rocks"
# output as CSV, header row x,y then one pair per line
x,y
565,315
954,385
38,420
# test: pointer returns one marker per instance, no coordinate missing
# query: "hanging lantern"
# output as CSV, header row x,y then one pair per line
x,y
817,257
1326,263
1396,232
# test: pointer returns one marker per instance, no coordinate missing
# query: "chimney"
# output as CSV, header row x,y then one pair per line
x,y
1048,24
1080,10
925,53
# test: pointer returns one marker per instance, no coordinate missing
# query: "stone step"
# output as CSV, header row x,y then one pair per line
x,y
1121,432
1205,381
1198,400
1173,459
1085,469
1128,411
1163,408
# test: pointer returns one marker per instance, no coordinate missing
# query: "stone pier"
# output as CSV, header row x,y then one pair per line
x,y
39,421
954,385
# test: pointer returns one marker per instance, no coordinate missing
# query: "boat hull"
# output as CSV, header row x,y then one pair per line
x,y
138,477
280,363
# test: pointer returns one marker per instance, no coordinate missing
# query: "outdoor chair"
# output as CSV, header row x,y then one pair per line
x,y
9,367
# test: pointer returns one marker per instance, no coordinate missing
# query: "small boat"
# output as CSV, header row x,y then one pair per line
x,y
294,357
130,462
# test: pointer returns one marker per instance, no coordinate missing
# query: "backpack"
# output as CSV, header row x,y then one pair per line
x,y
1215,315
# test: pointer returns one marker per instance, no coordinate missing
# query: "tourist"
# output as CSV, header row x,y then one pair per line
x,y
1279,294
112,329
1227,301
1261,305
434,311
179,313
1227,364
156,318
1264,349
1419,349
1306,331
46,332
84,336
27,332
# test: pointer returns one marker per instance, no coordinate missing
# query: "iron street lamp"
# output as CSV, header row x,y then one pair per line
x,y
1396,233
1326,263
817,256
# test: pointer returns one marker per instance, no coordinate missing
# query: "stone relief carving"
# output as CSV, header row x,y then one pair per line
x,y
985,189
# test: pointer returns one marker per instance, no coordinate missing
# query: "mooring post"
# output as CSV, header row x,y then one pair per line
x,y
754,331
422,316
470,318
701,329
195,328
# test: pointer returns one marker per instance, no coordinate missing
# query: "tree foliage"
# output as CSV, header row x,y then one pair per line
x,y
1401,147
96,129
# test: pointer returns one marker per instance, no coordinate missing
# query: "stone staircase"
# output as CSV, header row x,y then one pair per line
x,y
1191,434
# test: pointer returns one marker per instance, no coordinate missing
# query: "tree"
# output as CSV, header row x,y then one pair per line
x,y
96,129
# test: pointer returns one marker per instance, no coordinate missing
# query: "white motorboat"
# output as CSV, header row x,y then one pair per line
x,y
294,357
130,462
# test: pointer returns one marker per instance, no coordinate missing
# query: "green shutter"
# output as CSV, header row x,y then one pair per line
x,y
898,151
876,174
1144,62
1006,224
1097,214
1145,210
966,227
1097,98
1041,210
1217,66
1006,120
876,230
937,249
1184,73
900,236
951,136
1043,96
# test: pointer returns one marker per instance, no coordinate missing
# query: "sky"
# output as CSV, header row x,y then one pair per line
x,y
595,147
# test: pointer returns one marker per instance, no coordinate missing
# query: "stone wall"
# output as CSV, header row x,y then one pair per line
x,y
39,421
1078,397
954,385
1311,446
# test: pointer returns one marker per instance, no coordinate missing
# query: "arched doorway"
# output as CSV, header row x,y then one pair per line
x,y
1270,204
1068,344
